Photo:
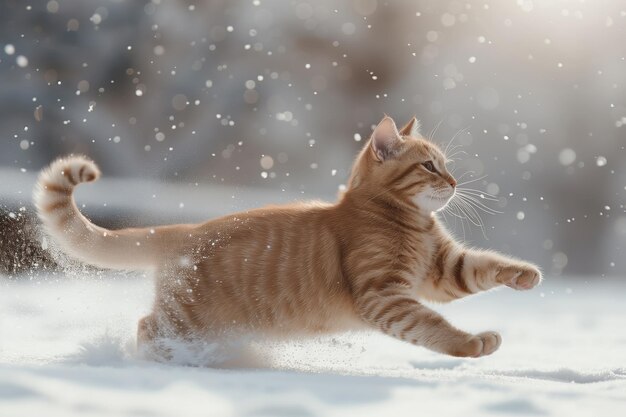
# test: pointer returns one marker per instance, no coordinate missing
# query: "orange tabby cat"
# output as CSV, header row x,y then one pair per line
x,y
305,268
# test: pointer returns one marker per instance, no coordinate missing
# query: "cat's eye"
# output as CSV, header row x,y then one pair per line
x,y
429,166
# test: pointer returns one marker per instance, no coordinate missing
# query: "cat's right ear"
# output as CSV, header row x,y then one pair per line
x,y
386,139
412,128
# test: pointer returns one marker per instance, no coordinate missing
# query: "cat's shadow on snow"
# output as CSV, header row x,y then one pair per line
x,y
115,351
196,365
335,355
439,364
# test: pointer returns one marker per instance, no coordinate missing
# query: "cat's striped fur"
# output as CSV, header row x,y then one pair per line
x,y
306,268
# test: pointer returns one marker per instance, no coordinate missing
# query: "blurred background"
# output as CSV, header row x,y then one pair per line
x,y
232,104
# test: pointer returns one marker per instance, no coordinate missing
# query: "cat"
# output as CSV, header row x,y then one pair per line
x,y
364,262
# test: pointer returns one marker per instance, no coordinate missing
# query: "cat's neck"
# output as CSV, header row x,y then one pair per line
x,y
387,204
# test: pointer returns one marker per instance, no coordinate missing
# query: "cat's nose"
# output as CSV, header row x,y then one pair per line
x,y
452,182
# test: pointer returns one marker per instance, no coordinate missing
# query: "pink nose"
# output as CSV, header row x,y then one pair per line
x,y
452,182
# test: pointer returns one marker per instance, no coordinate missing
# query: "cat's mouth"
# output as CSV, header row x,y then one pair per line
x,y
440,201
442,198
434,200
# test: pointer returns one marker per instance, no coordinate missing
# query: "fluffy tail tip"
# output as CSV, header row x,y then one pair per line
x,y
70,171
62,176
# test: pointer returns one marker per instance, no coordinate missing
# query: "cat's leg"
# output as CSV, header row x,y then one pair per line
x,y
146,330
459,272
149,335
401,316
158,331
482,270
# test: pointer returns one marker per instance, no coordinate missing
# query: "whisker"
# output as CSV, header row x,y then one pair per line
x,y
479,197
474,190
450,208
474,217
478,194
471,181
479,205
461,215
445,152
434,131
461,177
463,227
453,157
479,200
471,208
453,150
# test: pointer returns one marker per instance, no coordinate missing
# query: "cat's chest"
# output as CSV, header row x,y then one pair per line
x,y
416,252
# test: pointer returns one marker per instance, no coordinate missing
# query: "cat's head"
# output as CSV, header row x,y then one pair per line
x,y
404,164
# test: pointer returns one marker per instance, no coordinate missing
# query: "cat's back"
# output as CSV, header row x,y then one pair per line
x,y
294,238
271,219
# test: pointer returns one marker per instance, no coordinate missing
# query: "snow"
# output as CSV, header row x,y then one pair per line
x,y
67,348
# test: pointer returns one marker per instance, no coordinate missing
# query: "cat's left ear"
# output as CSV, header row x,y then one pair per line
x,y
386,139
412,128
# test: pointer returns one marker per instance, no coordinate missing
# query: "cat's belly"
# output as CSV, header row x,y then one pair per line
x,y
281,317
216,306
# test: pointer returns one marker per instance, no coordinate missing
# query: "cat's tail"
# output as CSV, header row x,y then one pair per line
x,y
75,234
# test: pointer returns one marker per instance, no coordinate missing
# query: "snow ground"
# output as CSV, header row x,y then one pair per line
x,y
67,348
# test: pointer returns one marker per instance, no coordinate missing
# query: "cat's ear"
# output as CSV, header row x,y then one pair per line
x,y
386,139
412,128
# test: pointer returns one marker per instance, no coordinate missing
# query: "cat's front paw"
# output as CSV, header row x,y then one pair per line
x,y
479,345
520,277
